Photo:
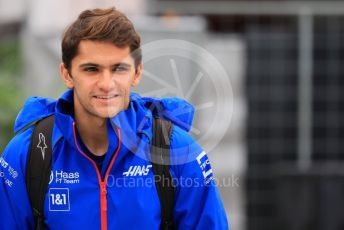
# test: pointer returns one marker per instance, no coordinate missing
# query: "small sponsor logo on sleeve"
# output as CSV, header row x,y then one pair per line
x,y
7,173
3,163
204,164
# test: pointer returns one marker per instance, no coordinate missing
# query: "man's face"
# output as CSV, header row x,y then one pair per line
x,y
101,75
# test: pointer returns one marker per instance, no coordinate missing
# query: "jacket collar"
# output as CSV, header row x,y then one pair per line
x,y
135,122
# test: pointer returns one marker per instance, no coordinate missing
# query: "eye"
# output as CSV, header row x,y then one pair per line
x,y
120,68
91,69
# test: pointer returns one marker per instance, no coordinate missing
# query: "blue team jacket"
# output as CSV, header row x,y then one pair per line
x,y
123,194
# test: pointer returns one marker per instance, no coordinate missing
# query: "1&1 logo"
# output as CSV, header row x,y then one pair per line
x,y
59,199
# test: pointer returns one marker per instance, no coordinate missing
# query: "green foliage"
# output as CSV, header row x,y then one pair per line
x,y
10,71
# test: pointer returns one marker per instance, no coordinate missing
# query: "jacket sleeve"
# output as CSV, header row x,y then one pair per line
x,y
197,202
14,202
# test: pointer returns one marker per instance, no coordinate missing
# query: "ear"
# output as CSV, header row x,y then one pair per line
x,y
66,78
137,76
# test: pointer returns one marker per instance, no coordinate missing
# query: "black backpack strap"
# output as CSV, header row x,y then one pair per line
x,y
38,167
160,157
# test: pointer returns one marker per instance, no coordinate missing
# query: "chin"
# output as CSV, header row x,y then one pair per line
x,y
110,113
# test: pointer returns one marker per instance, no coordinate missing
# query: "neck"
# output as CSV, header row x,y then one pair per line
x,y
93,133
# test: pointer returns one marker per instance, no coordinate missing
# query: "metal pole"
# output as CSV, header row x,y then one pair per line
x,y
305,23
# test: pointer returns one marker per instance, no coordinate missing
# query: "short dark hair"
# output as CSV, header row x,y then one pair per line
x,y
109,25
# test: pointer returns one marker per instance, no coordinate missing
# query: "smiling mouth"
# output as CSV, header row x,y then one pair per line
x,y
106,97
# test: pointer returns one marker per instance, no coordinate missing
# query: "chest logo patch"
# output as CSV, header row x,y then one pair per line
x,y
59,199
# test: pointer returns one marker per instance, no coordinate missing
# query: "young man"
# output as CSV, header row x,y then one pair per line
x,y
101,177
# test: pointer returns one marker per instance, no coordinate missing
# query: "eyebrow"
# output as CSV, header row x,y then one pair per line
x,y
97,65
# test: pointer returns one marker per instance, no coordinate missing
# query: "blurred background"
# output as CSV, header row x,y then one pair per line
x,y
279,158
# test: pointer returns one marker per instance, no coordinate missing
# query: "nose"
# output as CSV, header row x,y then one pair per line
x,y
106,81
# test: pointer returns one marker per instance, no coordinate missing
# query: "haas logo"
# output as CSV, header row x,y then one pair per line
x,y
138,170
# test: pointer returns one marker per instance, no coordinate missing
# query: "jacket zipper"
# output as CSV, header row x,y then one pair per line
x,y
103,205
102,183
